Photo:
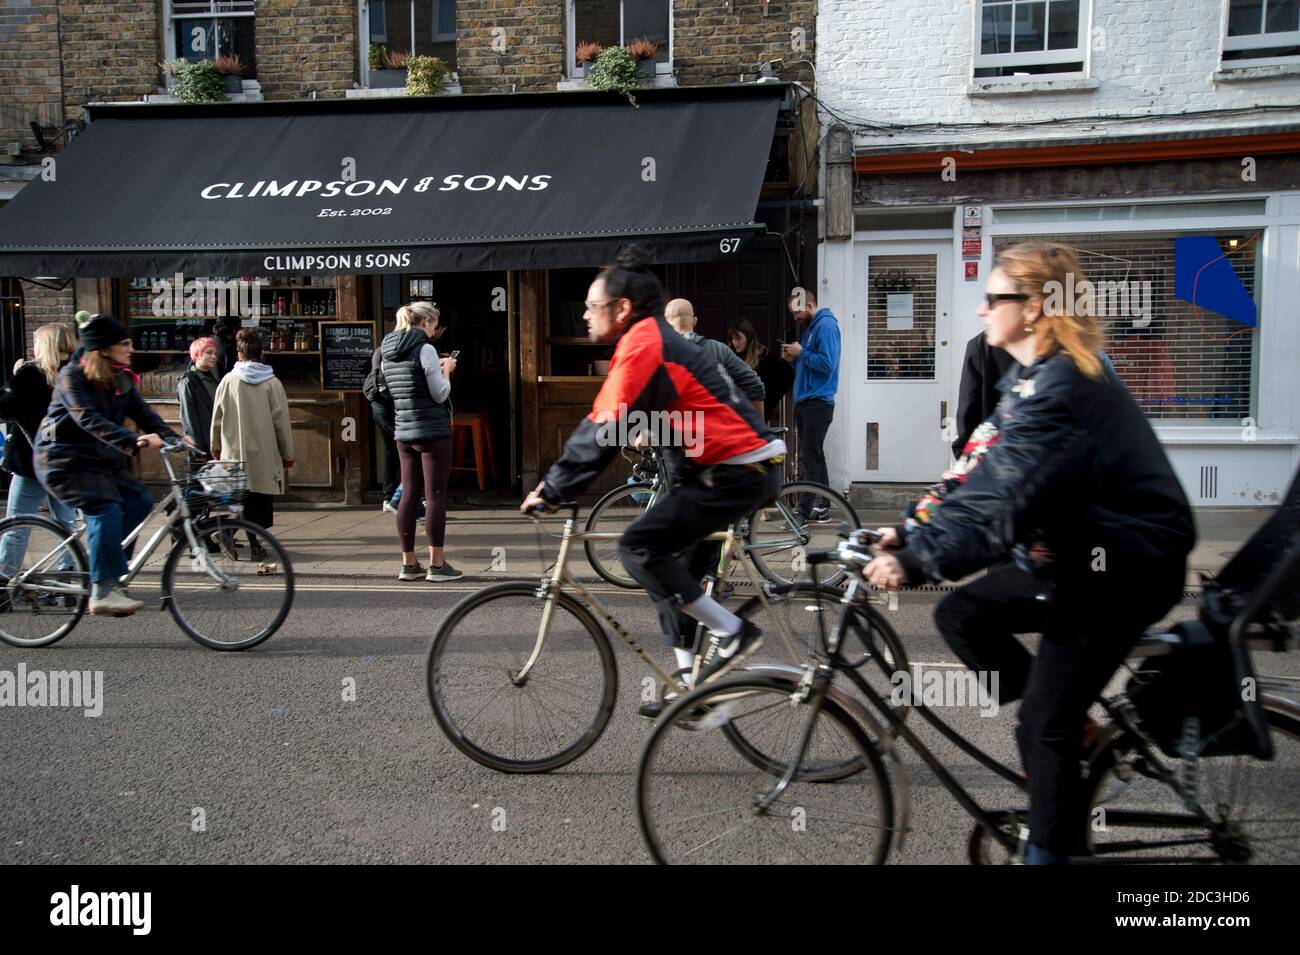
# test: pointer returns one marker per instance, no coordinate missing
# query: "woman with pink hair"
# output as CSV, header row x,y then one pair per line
x,y
197,391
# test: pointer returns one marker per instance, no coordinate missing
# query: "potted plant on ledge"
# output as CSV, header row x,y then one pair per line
x,y
199,83
231,68
586,54
644,52
617,72
424,75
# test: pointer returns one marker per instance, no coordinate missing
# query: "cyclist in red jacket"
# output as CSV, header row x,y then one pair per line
x,y
680,395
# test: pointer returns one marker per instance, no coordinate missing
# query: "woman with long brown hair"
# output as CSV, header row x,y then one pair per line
x,y
777,375
83,454
1068,478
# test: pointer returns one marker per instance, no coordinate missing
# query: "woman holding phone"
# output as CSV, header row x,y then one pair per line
x,y
420,383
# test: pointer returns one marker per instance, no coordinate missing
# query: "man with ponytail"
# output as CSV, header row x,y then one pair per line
x,y
732,461
1068,479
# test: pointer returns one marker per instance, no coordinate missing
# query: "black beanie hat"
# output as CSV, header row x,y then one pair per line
x,y
102,331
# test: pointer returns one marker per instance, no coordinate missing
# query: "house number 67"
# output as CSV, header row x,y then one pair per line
x,y
729,245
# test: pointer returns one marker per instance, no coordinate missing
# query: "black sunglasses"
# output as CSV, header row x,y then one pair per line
x,y
993,298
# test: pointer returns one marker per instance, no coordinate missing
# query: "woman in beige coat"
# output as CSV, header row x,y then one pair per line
x,y
250,423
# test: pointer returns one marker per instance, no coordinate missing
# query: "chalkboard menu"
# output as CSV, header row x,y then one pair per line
x,y
345,350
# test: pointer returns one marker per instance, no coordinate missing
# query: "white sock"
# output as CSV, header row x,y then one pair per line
x,y
685,659
720,621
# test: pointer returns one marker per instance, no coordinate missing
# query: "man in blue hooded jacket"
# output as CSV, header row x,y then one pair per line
x,y
816,361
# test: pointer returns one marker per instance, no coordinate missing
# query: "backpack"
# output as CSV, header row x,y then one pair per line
x,y
374,387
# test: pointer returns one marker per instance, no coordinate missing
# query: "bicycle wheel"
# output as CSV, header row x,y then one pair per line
x,y
612,514
869,637
1135,815
40,562
778,537
228,604
559,710
697,798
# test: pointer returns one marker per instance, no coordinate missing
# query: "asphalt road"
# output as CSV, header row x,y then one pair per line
x,y
263,749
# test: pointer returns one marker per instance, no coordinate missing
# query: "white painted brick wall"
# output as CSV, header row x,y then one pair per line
x,y
910,61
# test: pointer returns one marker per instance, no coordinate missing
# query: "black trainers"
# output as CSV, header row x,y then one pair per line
x,y
652,709
445,572
820,515
725,652
411,572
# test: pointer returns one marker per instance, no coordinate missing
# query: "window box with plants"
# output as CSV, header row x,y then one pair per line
x,y
644,52
197,82
387,68
231,68
586,54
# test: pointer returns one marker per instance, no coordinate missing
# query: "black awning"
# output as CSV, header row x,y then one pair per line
x,y
403,185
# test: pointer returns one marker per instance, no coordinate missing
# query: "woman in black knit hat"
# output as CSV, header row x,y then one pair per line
x,y
83,453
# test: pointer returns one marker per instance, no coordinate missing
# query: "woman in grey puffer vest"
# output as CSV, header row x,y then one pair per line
x,y
420,384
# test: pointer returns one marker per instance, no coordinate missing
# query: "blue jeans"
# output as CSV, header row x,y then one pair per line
x,y
397,499
107,522
25,497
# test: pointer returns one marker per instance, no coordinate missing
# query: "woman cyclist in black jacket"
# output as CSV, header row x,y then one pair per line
x,y
1073,484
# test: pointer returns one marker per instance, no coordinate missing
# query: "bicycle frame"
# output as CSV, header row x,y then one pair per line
x,y
551,587
828,662
180,515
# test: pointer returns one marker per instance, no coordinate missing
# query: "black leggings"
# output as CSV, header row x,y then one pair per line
x,y
662,549
1088,627
427,465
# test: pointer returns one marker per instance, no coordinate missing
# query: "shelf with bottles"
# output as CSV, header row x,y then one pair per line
x,y
306,296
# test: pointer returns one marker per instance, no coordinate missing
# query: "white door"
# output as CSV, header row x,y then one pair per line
x,y
902,399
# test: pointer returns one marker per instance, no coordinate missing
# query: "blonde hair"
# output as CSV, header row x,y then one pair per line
x,y
51,346
408,316
1033,267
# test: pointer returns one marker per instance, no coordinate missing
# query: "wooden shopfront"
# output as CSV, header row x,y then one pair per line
x,y
299,317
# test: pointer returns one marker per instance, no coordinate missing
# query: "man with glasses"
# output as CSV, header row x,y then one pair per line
x,y
732,458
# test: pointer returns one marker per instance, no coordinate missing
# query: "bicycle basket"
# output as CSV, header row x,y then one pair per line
x,y
218,483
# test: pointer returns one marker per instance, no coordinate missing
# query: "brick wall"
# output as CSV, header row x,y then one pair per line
x,y
711,45
306,46
534,45
29,70
42,306
110,51
899,61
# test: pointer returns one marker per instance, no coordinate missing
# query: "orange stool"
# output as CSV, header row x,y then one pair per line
x,y
475,426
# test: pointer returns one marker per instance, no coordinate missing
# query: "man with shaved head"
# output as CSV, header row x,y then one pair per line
x,y
680,314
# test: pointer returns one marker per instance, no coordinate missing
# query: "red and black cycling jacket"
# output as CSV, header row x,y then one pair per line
x,y
656,369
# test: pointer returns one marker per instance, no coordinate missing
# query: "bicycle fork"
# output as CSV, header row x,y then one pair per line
x,y
821,679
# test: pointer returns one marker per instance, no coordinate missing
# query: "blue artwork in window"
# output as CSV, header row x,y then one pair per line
x,y
1204,276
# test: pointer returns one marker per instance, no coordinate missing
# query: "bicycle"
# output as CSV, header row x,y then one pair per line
x,y
44,598
776,536
552,707
778,812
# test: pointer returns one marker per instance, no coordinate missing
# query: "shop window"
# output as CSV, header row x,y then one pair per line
x,y
1262,32
1181,361
206,29
413,27
1028,37
619,22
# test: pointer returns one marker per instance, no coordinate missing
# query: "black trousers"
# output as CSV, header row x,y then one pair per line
x,y
1088,627
383,417
663,550
812,419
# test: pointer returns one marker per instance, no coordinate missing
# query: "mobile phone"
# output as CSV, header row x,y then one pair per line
x,y
454,353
